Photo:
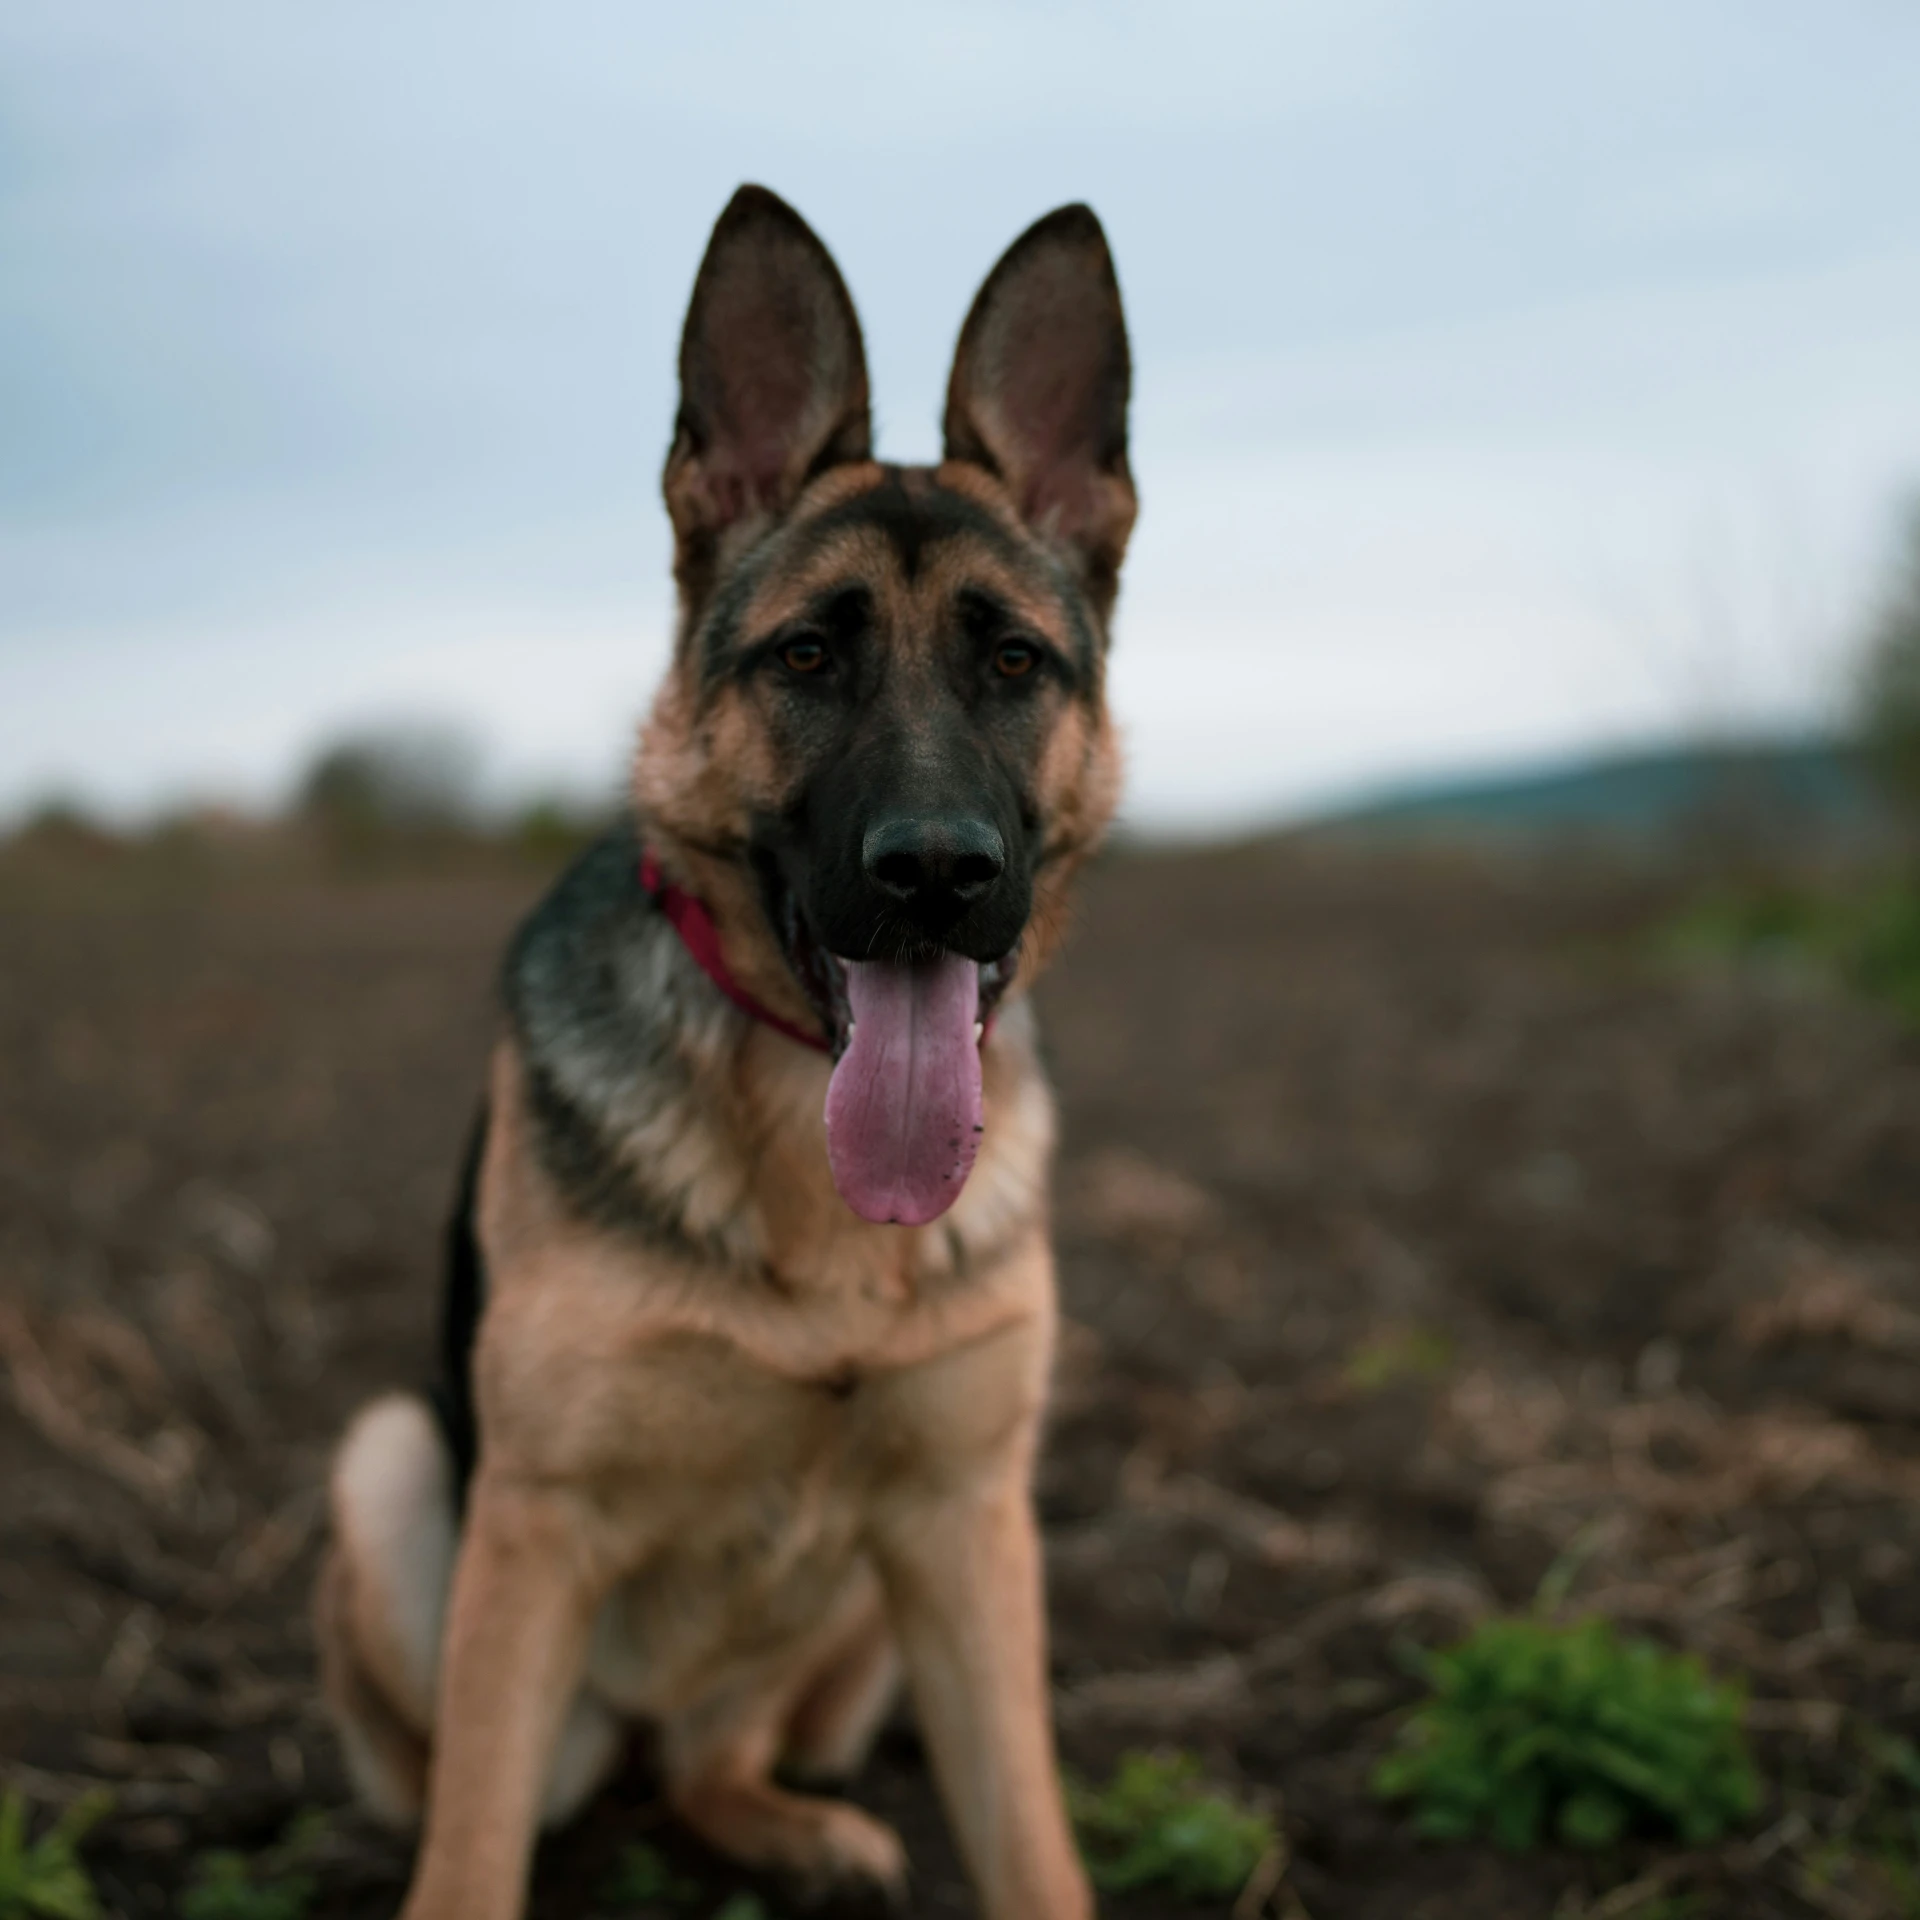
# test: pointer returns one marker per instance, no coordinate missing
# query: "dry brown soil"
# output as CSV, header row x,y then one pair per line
x,y
1414,1232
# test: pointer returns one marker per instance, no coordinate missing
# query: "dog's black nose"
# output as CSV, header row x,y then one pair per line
x,y
935,865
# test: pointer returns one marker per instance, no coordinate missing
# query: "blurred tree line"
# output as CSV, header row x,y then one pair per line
x,y
415,792
1888,706
1858,923
395,798
418,781
413,795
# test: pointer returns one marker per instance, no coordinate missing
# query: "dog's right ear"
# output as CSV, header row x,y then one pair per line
x,y
1038,395
773,379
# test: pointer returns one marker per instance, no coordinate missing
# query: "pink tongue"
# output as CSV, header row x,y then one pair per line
x,y
903,1108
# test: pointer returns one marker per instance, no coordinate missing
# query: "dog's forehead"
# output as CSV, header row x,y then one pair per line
x,y
913,542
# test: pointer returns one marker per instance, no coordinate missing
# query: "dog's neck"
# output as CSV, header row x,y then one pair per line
x,y
665,1114
691,918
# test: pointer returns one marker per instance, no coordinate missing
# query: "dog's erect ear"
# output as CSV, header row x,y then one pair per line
x,y
773,378
1040,385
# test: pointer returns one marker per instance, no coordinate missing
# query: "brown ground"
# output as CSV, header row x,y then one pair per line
x,y
1413,1233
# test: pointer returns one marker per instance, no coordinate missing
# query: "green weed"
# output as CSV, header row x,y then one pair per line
x,y
44,1879
642,1876
1865,939
1752,923
1891,1758
273,1885
1155,1824
1536,1729
226,1887
1413,1353
1880,1846
1886,951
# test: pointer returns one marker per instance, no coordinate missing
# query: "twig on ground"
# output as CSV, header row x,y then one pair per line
x,y
134,1760
128,1796
160,1471
1262,1883
275,1543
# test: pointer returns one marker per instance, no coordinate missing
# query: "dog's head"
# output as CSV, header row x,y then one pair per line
x,y
883,745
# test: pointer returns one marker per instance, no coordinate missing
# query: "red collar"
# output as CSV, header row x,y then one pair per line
x,y
689,917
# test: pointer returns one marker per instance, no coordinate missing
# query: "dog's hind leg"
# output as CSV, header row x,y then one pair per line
x,y
382,1595
831,1730
385,1752
381,1611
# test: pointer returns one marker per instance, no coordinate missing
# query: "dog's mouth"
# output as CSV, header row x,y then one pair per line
x,y
904,1107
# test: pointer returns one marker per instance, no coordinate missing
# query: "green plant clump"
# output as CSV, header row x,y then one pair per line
x,y
1866,938
1888,695
44,1879
1535,1728
1409,1354
643,1877
1868,1860
1885,960
1155,1824
272,1885
1772,921
227,1886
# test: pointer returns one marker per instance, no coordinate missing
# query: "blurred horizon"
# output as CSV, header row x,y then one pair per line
x,y
1509,386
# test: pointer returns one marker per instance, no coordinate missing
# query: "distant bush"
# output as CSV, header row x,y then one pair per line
x,y
1536,1729
407,793
63,829
398,783
552,830
1889,693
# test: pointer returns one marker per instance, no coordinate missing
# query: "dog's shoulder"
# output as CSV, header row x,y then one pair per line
x,y
617,1031
590,986
575,961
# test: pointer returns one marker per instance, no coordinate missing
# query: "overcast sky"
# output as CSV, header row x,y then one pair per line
x,y
1510,377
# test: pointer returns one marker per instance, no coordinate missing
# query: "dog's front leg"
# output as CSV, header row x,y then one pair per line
x,y
522,1607
965,1588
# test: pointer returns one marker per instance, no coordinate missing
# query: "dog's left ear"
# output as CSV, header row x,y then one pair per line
x,y
773,379
1039,391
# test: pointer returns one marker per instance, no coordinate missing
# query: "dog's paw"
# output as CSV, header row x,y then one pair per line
x,y
859,1871
827,1855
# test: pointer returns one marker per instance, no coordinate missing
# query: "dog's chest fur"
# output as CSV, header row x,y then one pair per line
x,y
684,1323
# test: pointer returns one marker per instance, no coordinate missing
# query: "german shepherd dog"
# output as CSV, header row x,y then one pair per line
x,y
752,1303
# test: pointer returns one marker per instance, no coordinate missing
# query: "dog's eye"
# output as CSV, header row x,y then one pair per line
x,y
1015,658
803,656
